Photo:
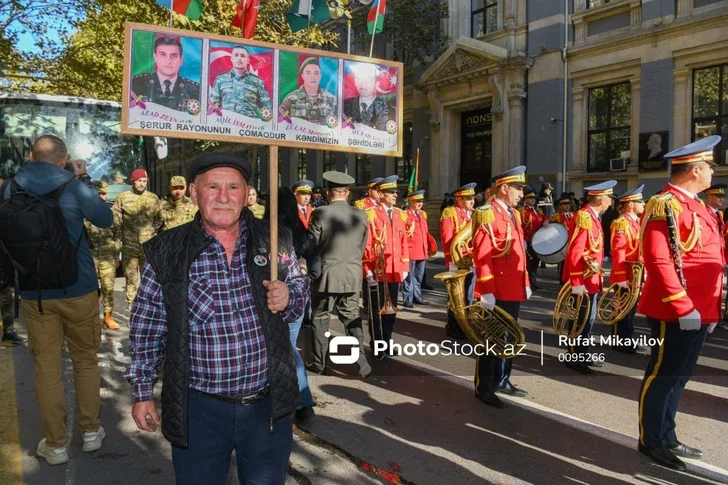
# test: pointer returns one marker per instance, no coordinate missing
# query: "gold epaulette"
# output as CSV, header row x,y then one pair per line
x,y
655,208
402,214
359,204
371,215
482,216
583,220
449,213
620,224
424,214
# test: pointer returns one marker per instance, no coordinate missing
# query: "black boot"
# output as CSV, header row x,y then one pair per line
x,y
10,335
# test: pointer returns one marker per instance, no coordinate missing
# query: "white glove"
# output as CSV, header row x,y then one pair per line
x,y
691,321
578,290
528,293
487,301
370,279
452,267
711,327
623,284
404,275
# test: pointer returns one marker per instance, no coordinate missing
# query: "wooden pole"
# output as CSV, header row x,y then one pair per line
x,y
273,205
171,14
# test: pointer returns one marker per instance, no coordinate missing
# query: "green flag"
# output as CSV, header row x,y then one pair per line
x,y
299,13
414,176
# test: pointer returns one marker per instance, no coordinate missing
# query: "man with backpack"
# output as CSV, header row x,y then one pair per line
x,y
41,235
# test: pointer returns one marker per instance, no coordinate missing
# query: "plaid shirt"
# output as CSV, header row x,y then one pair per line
x,y
227,347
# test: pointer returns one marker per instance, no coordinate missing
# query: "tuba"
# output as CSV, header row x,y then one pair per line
x,y
495,328
567,306
380,273
617,302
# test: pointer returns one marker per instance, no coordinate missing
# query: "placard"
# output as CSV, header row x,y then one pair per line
x,y
184,84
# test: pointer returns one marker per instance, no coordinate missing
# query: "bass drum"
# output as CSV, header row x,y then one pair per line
x,y
549,243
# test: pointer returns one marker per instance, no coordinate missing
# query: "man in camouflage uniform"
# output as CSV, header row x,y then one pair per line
x,y
139,211
177,208
310,102
257,209
240,90
105,245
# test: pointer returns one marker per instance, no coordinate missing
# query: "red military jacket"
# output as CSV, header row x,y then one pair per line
x,y
625,231
453,219
307,218
499,253
562,218
393,233
585,239
417,231
722,229
365,203
701,242
532,219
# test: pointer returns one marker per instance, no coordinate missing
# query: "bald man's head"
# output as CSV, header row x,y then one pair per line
x,y
51,149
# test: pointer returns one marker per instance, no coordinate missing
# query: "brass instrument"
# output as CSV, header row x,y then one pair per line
x,y
617,302
495,328
380,273
567,305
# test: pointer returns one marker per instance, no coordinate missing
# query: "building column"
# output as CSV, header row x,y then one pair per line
x,y
634,132
578,140
516,121
682,115
684,7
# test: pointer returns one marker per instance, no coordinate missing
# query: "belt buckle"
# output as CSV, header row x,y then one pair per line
x,y
253,398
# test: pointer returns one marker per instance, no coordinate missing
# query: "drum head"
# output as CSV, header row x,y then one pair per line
x,y
550,242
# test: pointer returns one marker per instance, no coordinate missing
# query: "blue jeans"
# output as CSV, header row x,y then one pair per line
x,y
307,399
413,283
216,428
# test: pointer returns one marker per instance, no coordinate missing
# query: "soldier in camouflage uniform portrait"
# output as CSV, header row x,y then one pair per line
x,y
164,86
105,245
310,102
240,90
140,215
177,208
257,209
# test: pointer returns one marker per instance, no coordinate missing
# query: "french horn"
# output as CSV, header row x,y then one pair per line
x,y
617,302
566,319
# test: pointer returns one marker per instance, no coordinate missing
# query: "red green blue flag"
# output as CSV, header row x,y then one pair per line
x,y
375,17
192,9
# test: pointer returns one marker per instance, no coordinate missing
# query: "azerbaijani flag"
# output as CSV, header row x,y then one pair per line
x,y
375,23
192,9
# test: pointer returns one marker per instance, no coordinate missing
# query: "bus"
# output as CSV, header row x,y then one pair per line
x,y
91,129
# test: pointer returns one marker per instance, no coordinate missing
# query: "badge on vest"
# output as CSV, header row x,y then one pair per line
x,y
260,260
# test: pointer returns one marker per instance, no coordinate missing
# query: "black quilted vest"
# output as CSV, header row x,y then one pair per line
x,y
171,254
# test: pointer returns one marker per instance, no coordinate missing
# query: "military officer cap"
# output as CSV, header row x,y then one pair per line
x,y
467,190
208,161
717,189
317,190
177,181
634,195
417,196
373,182
516,176
604,188
302,187
138,173
564,199
547,185
529,192
101,187
310,60
337,179
388,184
698,151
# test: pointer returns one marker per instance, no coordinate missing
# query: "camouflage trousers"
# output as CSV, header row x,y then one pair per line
x,y
106,272
6,307
132,259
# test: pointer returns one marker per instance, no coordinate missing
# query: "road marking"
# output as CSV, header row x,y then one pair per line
x,y
11,465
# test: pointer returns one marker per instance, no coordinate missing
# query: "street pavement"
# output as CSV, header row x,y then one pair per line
x,y
414,420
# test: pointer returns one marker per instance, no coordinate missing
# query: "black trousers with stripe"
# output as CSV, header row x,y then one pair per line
x,y
671,366
492,371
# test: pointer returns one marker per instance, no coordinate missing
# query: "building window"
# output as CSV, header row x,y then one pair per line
x,y
710,106
406,162
596,3
329,161
484,17
302,164
363,169
610,112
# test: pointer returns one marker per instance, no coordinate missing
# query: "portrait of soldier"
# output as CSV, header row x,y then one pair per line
x,y
238,89
310,102
367,108
165,86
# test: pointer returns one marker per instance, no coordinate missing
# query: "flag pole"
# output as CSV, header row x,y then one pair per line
x,y
417,170
374,30
171,14
348,36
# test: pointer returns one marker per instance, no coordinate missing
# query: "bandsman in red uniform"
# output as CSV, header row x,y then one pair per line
x,y
533,219
683,252
373,195
714,197
625,234
563,216
452,220
586,240
386,261
302,190
417,234
499,256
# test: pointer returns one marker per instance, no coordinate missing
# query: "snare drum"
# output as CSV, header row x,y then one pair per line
x,y
549,243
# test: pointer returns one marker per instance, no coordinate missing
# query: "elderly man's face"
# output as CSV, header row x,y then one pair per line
x,y
220,195
252,196
167,58
240,59
366,84
140,185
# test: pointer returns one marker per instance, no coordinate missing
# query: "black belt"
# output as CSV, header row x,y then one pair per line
x,y
244,400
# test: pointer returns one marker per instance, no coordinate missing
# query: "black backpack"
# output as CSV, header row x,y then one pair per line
x,y
36,252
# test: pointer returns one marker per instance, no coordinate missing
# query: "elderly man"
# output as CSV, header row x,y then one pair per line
x,y
207,307
367,108
177,208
